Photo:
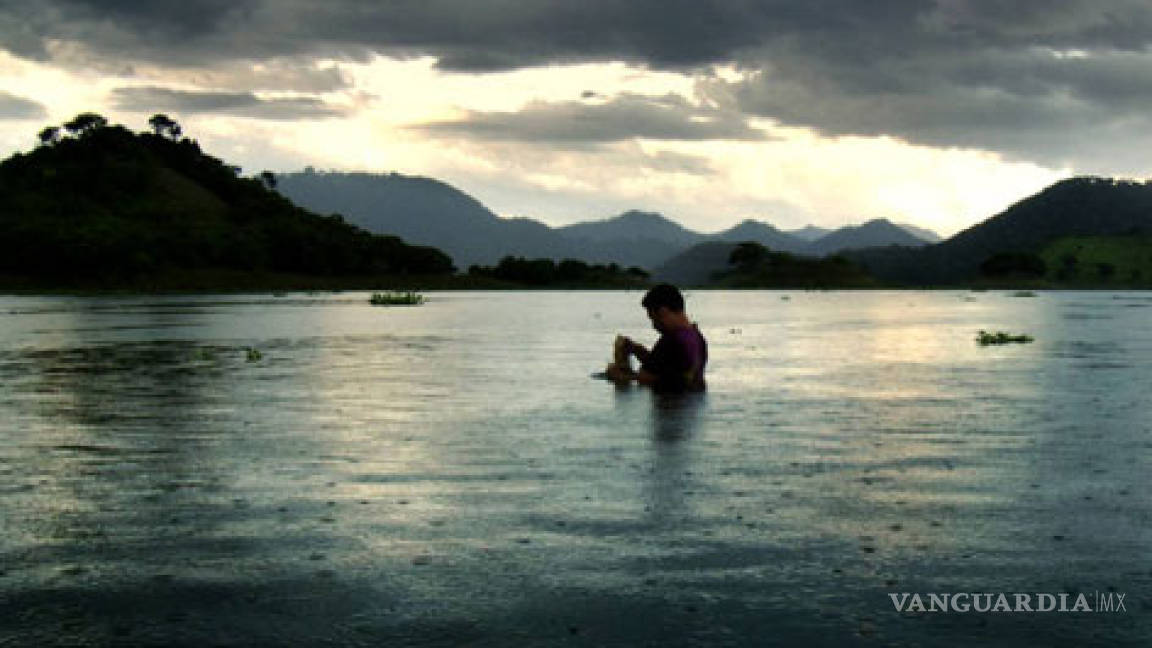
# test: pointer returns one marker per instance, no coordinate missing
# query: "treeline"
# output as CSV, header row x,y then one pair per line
x,y
100,203
568,272
751,265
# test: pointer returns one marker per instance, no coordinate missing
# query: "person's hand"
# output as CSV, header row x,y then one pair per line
x,y
617,373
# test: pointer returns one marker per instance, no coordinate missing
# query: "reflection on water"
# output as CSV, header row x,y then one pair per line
x,y
448,474
676,416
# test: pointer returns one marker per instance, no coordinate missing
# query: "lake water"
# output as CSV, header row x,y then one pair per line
x,y
449,474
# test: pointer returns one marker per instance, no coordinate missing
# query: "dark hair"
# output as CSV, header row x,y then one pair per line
x,y
663,295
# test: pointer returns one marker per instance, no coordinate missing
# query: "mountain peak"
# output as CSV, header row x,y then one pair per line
x,y
638,216
809,232
878,232
762,233
752,223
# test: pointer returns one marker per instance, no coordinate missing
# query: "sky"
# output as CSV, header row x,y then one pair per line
x,y
937,113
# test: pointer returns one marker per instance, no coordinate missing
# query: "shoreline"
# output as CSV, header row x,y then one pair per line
x,y
232,282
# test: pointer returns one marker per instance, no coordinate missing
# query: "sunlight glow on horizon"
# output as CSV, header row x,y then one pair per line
x,y
791,178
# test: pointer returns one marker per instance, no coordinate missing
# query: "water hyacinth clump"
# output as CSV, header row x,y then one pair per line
x,y
1000,337
397,298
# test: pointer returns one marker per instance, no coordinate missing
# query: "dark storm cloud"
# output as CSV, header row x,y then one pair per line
x,y
167,18
1041,104
505,34
171,31
992,74
465,35
13,107
626,117
245,104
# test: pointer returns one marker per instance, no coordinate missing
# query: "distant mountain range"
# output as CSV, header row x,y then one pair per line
x,y
105,207
432,213
429,212
696,265
1049,228
874,233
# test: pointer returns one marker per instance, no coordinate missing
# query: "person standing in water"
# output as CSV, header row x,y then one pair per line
x,y
676,362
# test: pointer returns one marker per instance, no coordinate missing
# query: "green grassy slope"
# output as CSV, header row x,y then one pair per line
x,y
1120,261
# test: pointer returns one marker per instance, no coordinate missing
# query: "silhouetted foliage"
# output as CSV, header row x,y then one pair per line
x,y
755,266
85,123
546,272
1013,264
49,136
1069,265
110,205
748,254
165,126
268,178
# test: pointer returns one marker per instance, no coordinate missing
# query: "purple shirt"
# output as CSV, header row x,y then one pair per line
x,y
678,360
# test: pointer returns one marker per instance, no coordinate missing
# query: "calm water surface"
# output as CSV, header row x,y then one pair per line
x,y
450,475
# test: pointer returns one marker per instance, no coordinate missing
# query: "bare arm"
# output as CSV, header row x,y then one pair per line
x,y
645,377
624,376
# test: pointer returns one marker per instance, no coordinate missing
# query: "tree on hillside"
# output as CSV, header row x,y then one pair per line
x,y
748,254
571,270
1013,264
85,123
165,126
1069,266
49,136
269,179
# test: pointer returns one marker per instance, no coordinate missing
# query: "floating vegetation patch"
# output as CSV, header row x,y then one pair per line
x,y
405,298
985,338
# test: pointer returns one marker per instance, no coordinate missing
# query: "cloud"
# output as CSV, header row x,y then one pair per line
x,y
673,162
625,117
13,107
465,35
1058,83
272,75
506,34
244,104
1039,104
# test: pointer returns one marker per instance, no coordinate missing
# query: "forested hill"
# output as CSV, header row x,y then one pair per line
x,y
100,204
1021,234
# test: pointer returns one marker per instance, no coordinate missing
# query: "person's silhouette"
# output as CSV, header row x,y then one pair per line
x,y
676,362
